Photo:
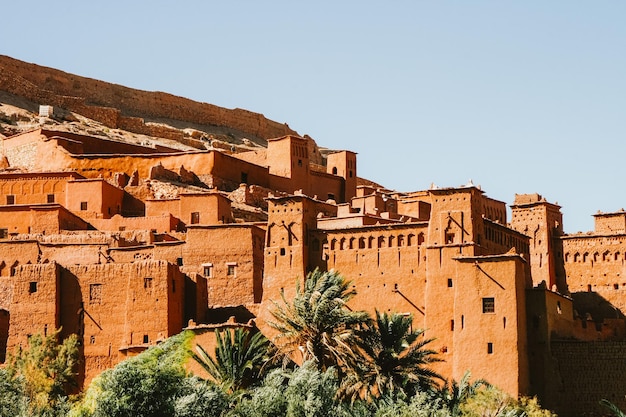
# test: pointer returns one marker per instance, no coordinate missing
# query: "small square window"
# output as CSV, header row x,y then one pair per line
x,y
489,305
32,287
147,282
4,233
179,261
231,270
50,198
195,217
83,206
10,199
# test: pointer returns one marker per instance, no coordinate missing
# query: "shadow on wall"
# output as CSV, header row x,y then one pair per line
x,y
593,304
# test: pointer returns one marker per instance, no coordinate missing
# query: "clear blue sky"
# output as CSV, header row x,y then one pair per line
x,y
521,97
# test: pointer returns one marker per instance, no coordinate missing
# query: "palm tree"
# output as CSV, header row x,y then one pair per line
x,y
454,394
612,408
317,324
239,358
393,358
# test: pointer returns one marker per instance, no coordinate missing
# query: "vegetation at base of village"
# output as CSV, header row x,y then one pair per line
x,y
353,365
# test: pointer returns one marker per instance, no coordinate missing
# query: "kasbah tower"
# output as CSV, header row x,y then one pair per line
x,y
90,242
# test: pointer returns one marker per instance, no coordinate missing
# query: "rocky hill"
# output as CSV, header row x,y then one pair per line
x,y
88,106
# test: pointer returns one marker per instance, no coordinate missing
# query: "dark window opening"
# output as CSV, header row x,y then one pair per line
x,y
231,270
616,286
451,325
32,287
334,170
4,233
83,205
449,238
10,199
449,282
92,339
145,338
147,282
489,305
244,177
179,261
195,217
489,348
282,251
331,196
50,198
208,271
350,174
299,162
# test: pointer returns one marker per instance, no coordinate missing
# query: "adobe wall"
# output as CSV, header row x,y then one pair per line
x,y
586,373
29,189
233,267
35,305
597,264
120,306
22,150
14,253
385,265
488,340
161,223
46,85
100,199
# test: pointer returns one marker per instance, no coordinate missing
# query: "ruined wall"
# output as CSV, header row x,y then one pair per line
x,y
110,103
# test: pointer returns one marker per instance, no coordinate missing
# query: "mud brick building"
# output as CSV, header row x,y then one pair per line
x,y
125,245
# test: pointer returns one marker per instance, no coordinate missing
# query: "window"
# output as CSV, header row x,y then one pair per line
x,y
489,348
207,270
83,205
4,233
282,253
50,198
146,339
195,217
449,282
10,199
32,287
147,282
489,305
449,238
179,261
95,293
299,162
232,269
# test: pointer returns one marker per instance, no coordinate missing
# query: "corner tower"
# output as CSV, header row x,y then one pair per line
x,y
542,222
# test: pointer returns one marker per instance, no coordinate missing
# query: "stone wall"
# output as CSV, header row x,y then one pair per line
x,y
586,372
